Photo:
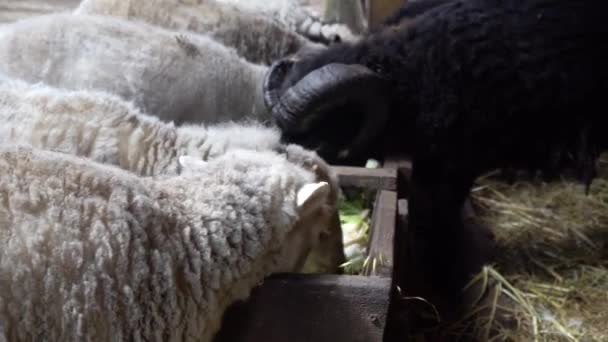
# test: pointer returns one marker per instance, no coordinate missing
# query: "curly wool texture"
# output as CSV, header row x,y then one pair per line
x,y
255,36
479,84
93,253
107,129
185,78
286,11
295,17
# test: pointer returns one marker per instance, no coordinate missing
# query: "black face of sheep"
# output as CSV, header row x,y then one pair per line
x,y
324,108
468,87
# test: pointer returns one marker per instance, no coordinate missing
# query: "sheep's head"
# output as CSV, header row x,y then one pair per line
x,y
335,109
316,230
313,218
328,255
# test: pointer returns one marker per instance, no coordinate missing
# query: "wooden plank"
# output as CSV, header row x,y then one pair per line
x,y
404,171
381,241
360,177
399,162
402,209
400,239
403,165
399,319
378,10
305,307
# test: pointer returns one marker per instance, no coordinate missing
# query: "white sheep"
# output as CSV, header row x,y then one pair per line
x,y
255,36
186,78
284,23
93,253
298,18
107,129
11,10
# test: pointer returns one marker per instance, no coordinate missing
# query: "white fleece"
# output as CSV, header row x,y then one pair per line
x,y
109,130
90,252
256,36
296,17
185,77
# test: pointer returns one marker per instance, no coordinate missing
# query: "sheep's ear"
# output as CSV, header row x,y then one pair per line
x,y
191,163
311,194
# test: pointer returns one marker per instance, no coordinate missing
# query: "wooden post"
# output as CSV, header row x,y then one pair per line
x,y
302,308
403,165
381,240
373,179
378,10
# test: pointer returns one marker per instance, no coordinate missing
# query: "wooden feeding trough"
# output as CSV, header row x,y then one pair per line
x,y
324,307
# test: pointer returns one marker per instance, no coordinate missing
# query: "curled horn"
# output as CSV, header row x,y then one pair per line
x,y
308,101
272,82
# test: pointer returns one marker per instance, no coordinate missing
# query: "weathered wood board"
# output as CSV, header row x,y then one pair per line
x,y
381,240
374,179
378,10
403,165
319,308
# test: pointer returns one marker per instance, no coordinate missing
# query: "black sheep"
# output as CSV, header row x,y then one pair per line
x,y
467,87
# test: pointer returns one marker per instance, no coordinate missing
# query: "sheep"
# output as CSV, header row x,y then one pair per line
x,y
107,129
93,253
185,78
255,36
468,87
11,10
103,127
299,19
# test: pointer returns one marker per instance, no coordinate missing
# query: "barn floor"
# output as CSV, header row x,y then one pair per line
x,y
553,255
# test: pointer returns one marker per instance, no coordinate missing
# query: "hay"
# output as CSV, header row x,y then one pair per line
x,y
552,266
354,212
550,280
355,207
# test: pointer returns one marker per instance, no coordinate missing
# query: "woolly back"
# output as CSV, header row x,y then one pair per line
x,y
94,253
177,77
